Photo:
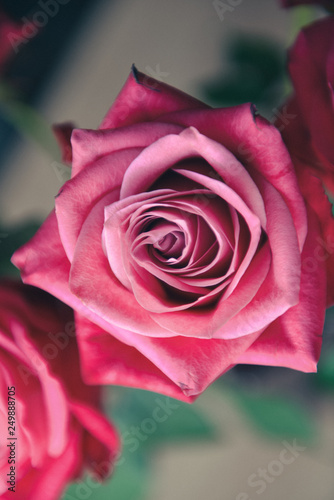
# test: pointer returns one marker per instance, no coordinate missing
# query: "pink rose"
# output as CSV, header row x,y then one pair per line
x,y
309,135
181,242
50,420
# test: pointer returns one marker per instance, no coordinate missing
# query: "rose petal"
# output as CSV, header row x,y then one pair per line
x,y
90,145
258,144
182,360
43,262
75,201
250,309
47,483
310,66
63,132
168,151
323,251
106,360
92,281
294,339
143,99
56,406
99,429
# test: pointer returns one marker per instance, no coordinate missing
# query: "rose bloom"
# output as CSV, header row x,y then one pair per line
x,y
184,244
309,134
55,428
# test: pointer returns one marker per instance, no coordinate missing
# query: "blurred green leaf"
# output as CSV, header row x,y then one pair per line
x,y
277,416
147,419
255,73
10,240
324,378
325,375
128,482
300,17
28,121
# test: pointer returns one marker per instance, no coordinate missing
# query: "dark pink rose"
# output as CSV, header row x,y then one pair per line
x,y
57,425
309,135
184,244
10,31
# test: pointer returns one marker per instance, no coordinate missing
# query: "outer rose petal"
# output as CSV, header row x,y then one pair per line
x,y
144,99
63,134
52,391
74,201
183,360
101,435
309,168
323,251
43,262
90,145
106,360
311,66
294,339
48,483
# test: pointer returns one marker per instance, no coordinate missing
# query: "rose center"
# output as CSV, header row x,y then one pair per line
x,y
170,245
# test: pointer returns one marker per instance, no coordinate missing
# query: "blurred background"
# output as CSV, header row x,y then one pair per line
x,y
66,60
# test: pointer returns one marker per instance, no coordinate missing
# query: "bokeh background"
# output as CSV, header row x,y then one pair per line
x,y
70,68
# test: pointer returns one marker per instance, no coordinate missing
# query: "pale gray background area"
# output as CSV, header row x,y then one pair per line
x,y
180,41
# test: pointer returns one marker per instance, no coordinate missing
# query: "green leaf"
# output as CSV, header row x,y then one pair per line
x,y
147,419
325,375
28,121
277,416
10,240
128,482
255,73
301,17
324,378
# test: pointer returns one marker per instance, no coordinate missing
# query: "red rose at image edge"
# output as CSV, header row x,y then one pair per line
x,y
309,134
184,245
58,425
10,32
